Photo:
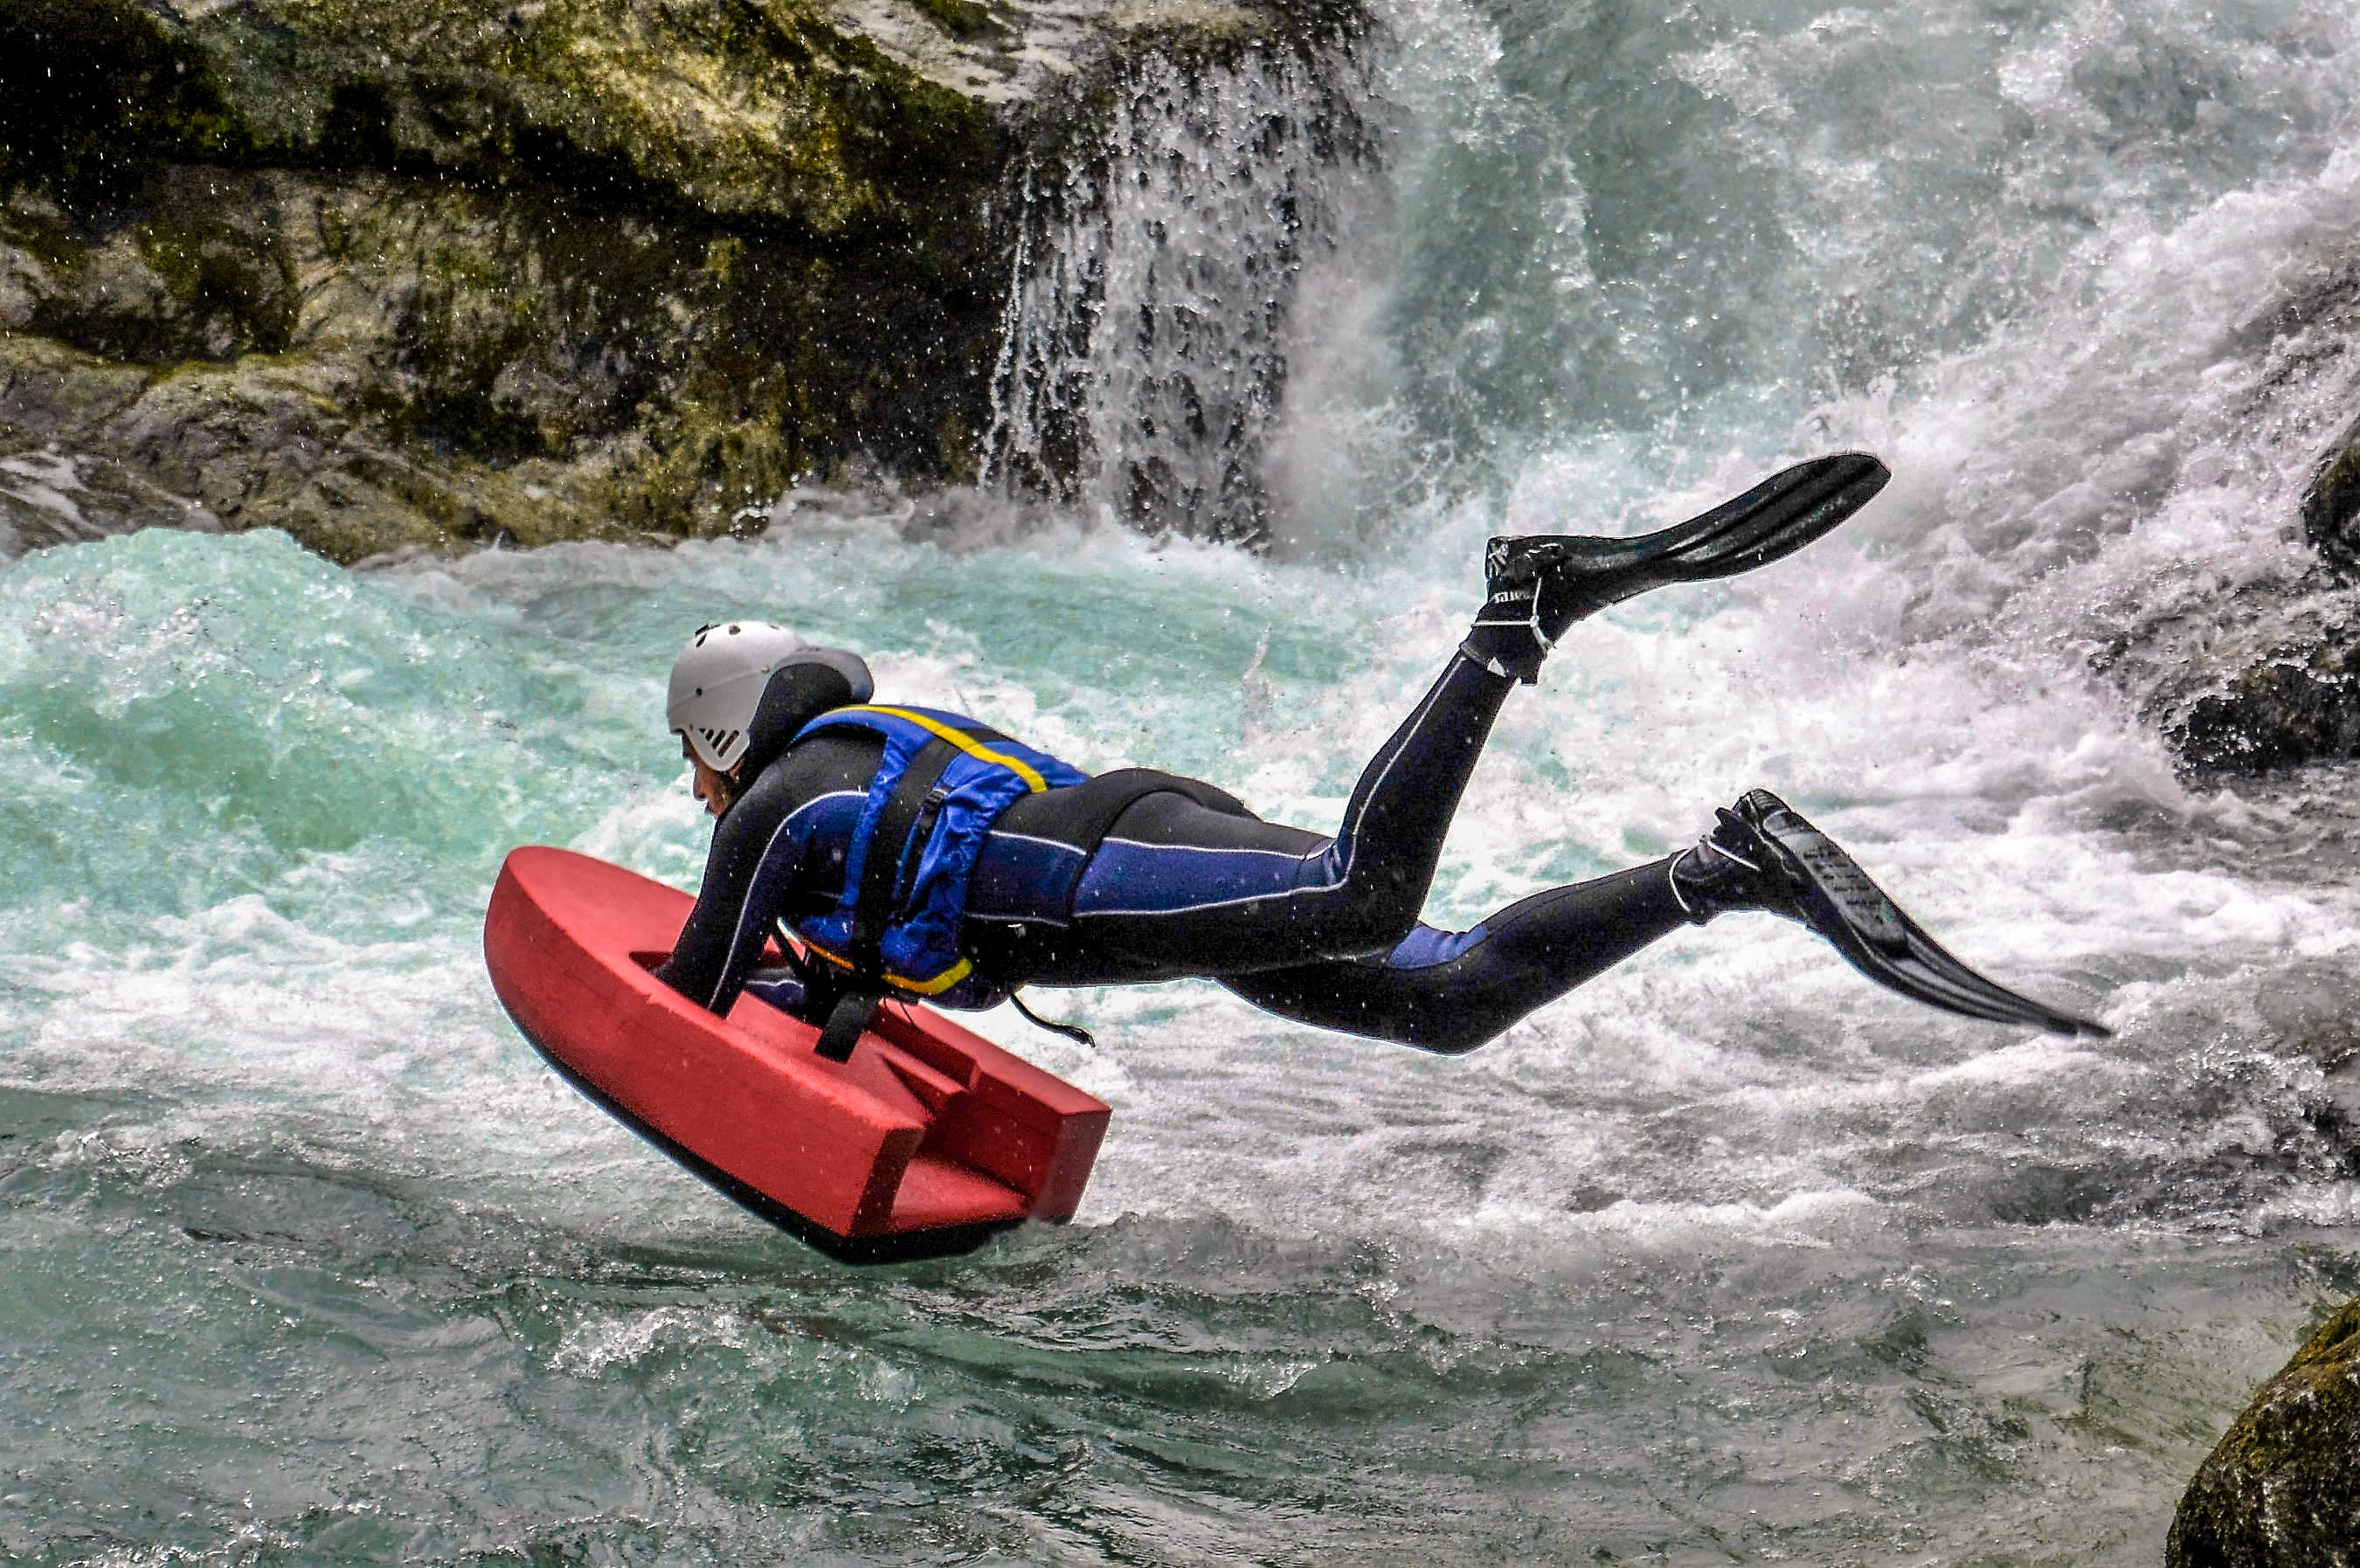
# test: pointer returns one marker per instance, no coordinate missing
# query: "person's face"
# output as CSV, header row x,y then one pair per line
x,y
708,785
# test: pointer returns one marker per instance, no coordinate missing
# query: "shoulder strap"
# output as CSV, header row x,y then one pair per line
x,y
888,849
904,812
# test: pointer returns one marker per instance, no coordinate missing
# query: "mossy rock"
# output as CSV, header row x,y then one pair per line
x,y
2282,1489
191,269
2330,507
667,257
90,89
656,381
386,275
2294,703
758,111
274,441
964,19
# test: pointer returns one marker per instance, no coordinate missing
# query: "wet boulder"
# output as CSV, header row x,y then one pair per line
x,y
2251,665
388,275
2273,682
2330,507
2282,1489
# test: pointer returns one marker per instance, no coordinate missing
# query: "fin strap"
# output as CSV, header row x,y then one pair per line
x,y
1071,1032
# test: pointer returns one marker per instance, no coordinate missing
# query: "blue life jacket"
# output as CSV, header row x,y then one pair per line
x,y
908,936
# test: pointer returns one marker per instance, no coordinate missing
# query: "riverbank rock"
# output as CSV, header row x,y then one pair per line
x,y
2262,672
2282,1490
2330,507
2277,680
2270,680
390,275
385,276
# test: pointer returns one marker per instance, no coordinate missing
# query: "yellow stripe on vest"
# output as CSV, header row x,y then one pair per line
x,y
934,987
1033,780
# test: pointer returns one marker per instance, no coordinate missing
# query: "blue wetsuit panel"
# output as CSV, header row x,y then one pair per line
x,y
1428,946
1132,878
1018,877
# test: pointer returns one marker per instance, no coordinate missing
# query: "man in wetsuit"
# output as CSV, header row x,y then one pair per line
x,y
914,853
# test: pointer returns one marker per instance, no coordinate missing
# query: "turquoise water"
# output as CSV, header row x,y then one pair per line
x,y
1727,1258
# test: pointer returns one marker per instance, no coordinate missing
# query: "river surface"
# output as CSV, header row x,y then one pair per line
x,y
1730,1257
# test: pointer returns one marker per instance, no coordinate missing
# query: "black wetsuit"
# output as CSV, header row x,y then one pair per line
x,y
1324,930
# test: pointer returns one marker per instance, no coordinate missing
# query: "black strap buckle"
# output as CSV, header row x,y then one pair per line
x,y
846,1020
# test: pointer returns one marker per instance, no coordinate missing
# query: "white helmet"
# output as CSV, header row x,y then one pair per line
x,y
716,684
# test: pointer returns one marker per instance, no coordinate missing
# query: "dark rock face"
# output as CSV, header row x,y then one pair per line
x,y
2282,1490
388,275
2264,673
2279,684
385,274
2331,510
378,360
2297,704
760,111
2274,681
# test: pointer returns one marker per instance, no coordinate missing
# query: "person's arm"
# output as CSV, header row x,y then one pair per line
x,y
748,876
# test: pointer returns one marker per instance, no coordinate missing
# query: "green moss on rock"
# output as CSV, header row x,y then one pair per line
x,y
384,275
2282,1489
753,112
581,266
90,91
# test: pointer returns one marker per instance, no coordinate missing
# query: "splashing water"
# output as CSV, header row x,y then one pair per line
x,y
1728,1256
1145,338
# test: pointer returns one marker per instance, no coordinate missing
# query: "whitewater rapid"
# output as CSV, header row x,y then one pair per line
x,y
1728,1256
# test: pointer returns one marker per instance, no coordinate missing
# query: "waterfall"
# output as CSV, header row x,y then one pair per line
x,y
1158,254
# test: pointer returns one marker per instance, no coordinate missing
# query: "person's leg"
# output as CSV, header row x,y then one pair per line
x,y
1195,891
1452,991
1179,888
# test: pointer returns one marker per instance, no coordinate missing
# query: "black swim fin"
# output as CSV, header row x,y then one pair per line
x,y
1765,855
1538,585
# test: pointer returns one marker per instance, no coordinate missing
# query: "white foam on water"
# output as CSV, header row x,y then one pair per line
x,y
2073,276
593,1345
1147,328
48,481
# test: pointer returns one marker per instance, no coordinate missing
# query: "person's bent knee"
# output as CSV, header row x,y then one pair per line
x,y
1369,925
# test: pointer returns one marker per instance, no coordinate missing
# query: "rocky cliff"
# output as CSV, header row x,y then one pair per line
x,y
385,274
2264,673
